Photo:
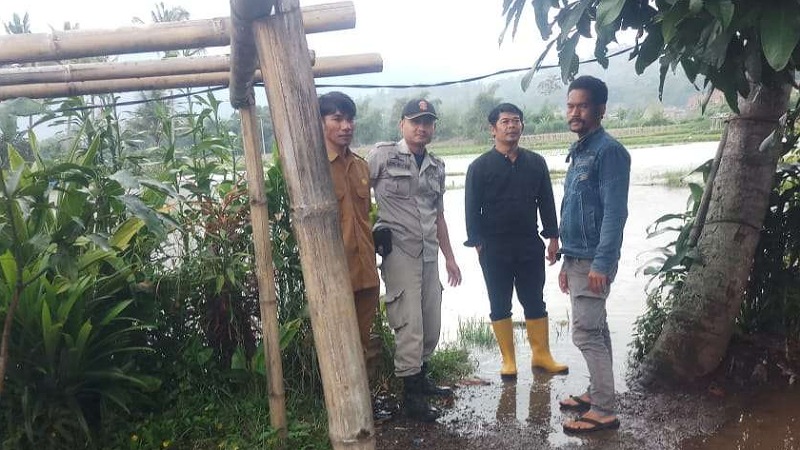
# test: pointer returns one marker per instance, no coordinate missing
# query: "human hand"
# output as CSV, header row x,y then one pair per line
x,y
563,284
552,251
598,282
453,273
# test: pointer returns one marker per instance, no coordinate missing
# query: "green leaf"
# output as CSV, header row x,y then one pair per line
x,y
608,11
569,18
567,58
722,10
114,312
126,179
541,9
220,283
526,80
779,33
649,51
125,232
695,6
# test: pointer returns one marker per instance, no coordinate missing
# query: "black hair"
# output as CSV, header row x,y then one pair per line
x,y
494,114
596,88
335,101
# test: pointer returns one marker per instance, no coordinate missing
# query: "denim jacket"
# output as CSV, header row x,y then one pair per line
x,y
595,204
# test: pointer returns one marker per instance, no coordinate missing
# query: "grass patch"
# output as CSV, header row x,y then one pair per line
x,y
450,364
474,332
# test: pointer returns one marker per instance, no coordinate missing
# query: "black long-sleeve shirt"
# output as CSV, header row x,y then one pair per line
x,y
503,197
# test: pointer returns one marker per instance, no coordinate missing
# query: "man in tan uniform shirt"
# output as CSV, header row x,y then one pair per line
x,y
409,189
350,175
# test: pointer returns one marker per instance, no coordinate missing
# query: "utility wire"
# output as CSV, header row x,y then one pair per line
x,y
341,86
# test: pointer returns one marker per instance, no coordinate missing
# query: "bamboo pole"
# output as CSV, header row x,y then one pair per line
x,y
324,67
243,48
295,115
259,218
67,73
62,45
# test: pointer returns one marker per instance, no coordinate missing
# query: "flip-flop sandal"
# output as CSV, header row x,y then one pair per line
x,y
597,426
580,404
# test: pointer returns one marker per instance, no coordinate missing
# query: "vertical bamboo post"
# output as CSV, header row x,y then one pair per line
x,y
283,55
259,217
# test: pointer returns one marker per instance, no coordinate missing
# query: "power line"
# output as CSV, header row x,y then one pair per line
x,y
342,86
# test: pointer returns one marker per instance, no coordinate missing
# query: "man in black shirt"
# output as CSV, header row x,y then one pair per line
x,y
505,187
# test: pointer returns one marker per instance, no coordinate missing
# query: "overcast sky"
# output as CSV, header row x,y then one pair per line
x,y
421,41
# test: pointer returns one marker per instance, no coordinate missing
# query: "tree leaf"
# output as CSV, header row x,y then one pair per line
x,y
650,50
125,232
541,9
779,34
569,18
567,58
526,79
722,10
608,11
695,6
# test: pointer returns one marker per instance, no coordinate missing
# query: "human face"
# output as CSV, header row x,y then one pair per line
x,y
508,129
338,129
583,116
418,132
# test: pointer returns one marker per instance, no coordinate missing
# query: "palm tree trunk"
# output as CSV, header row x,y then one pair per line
x,y
696,335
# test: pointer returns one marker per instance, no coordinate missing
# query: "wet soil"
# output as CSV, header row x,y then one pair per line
x,y
751,402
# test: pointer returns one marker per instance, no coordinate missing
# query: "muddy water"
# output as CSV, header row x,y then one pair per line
x,y
529,407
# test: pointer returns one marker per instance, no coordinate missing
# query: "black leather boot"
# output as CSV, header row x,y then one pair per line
x,y
430,388
415,404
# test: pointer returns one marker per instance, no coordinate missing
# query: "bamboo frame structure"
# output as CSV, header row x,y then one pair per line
x,y
295,115
63,45
277,39
323,67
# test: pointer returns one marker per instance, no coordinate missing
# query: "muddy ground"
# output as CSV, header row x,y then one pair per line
x,y
751,402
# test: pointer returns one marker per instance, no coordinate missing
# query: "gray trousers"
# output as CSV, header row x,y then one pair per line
x,y
413,308
590,333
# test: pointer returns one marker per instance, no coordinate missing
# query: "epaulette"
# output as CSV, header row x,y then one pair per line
x,y
385,144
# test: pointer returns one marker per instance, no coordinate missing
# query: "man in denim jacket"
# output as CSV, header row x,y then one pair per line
x,y
593,215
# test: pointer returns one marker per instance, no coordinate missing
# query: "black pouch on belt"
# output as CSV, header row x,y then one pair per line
x,y
383,241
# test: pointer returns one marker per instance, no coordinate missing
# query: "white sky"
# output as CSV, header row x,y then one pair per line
x,y
421,41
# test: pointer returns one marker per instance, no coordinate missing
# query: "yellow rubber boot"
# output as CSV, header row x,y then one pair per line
x,y
504,333
539,338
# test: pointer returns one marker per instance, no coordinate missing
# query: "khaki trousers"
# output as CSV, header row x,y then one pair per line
x,y
413,308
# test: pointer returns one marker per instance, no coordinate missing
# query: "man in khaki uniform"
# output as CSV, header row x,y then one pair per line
x,y
409,190
350,175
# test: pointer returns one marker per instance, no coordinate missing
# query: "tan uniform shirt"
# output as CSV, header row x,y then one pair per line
x,y
350,175
409,197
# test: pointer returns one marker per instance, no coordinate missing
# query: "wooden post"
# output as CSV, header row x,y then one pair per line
x,y
323,67
293,104
63,45
259,217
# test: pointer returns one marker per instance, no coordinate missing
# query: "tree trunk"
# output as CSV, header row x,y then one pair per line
x,y
697,332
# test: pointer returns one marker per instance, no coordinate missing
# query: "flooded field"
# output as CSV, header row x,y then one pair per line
x,y
525,414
